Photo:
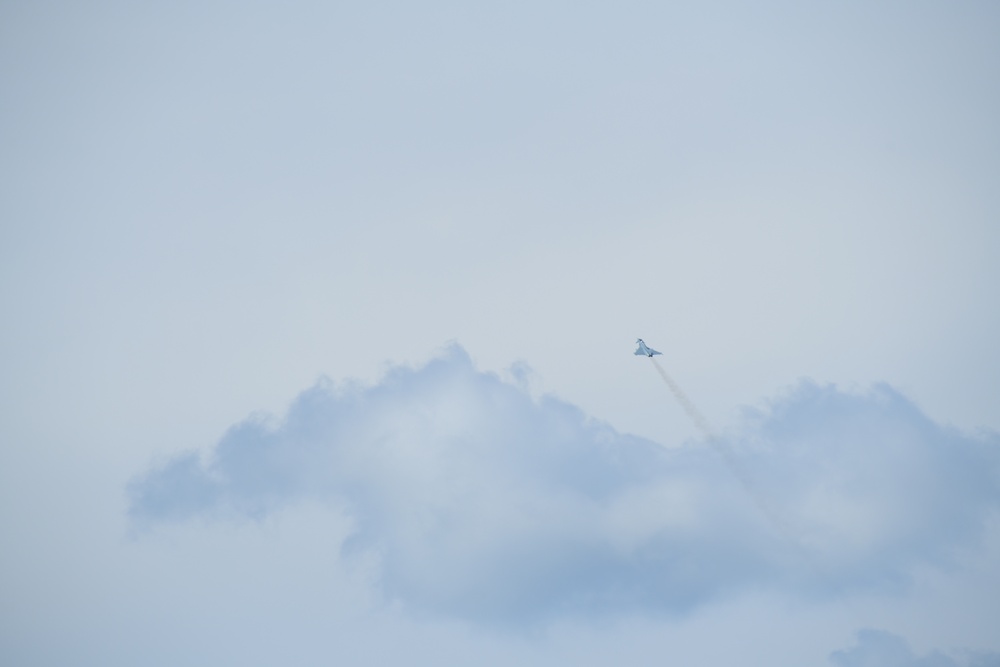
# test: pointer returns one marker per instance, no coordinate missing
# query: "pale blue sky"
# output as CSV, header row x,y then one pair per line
x,y
204,207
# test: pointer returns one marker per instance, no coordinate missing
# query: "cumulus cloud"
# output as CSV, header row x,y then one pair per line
x,y
866,483
877,648
482,502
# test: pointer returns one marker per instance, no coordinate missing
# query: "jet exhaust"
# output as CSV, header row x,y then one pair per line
x,y
685,402
720,446
699,420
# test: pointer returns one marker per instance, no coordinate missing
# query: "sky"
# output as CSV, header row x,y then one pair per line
x,y
317,320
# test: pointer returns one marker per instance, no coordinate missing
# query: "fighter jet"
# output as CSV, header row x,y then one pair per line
x,y
644,349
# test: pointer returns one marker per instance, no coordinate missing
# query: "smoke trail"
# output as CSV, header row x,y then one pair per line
x,y
777,521
685,402
720,446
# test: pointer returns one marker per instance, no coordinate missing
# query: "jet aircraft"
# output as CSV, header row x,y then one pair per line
x,y
644,349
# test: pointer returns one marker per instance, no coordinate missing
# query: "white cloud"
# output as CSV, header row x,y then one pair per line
x,y
877,648
484,503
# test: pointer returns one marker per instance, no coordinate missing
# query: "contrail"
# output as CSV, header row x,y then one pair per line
x,y
778,522
685,402
720,446
714,440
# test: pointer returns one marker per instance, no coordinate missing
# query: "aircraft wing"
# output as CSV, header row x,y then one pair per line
x,y
644,349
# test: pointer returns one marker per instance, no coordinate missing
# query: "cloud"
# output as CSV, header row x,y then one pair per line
x,y
484,503
866,483
877,648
